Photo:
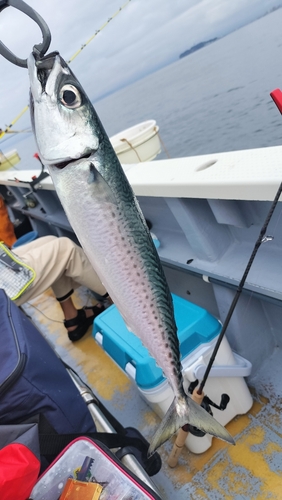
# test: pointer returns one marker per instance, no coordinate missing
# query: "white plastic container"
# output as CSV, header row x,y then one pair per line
x,y
137,144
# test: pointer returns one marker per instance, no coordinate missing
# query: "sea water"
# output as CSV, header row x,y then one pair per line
x,y
216,99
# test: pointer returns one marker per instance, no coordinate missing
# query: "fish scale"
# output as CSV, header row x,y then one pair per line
x,y
105,215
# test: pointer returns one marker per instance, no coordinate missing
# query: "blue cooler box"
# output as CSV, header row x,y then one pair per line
x,y
195,327
197,331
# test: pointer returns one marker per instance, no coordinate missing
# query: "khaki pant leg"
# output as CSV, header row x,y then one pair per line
x,y
58,263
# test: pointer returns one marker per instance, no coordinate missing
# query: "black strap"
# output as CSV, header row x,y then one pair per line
x,y
132,442
129,440
53,444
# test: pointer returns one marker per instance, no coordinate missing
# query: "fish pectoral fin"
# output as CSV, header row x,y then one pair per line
x,y
187,412
96,177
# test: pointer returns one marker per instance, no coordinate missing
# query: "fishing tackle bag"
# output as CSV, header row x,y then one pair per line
x,y
87,469
33,380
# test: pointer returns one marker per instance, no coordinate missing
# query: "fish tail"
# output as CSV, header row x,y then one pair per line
x,y
186,411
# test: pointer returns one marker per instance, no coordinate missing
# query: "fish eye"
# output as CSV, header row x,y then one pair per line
x,y
70,96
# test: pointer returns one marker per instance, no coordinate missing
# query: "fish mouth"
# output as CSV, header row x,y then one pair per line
x,y
44,67
62,164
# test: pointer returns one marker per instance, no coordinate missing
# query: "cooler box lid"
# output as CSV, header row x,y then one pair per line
x,y
195,325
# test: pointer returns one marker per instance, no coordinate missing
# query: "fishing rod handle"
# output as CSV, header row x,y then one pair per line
x,y
182,435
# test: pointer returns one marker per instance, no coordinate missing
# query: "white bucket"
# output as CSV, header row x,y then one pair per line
x,y
137,144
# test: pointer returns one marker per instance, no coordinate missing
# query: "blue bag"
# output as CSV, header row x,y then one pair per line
x,y
36,387
33,380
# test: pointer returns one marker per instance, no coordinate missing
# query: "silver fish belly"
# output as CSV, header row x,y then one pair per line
x,y
105,215
114,237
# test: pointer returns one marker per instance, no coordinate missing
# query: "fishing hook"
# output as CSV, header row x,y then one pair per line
x,y
41,48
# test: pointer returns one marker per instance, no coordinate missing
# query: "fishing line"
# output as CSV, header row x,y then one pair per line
x,y
4,132
89,301
8,127
98,31
43,314
11,133
240,287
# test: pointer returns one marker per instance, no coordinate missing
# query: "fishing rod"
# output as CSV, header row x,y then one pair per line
x,y
261,239
41,48
277,98
197,393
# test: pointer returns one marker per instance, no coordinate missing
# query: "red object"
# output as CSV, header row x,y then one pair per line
x,y
277,98
36,155
34,177
7,230
19,469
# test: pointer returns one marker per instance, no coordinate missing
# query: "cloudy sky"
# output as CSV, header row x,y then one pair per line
x,y
144,36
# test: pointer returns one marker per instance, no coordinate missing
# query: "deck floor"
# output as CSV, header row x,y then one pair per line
x,y
250,470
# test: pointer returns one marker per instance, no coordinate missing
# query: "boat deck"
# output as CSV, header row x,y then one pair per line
x,y
251,469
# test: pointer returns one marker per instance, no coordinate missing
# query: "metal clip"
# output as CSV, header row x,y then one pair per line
x,y
265,239
41,48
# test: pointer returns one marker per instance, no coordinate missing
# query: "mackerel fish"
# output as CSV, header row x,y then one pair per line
x,y
104,214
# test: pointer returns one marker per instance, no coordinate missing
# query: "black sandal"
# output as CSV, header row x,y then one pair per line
x,y
82,322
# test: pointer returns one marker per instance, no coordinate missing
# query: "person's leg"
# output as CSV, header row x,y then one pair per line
x,y
77,270
61,264
68,309
58,263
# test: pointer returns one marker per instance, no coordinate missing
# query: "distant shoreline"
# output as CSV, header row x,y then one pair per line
x,y
198,46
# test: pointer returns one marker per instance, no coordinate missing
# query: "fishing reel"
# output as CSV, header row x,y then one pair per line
x,y
206,404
